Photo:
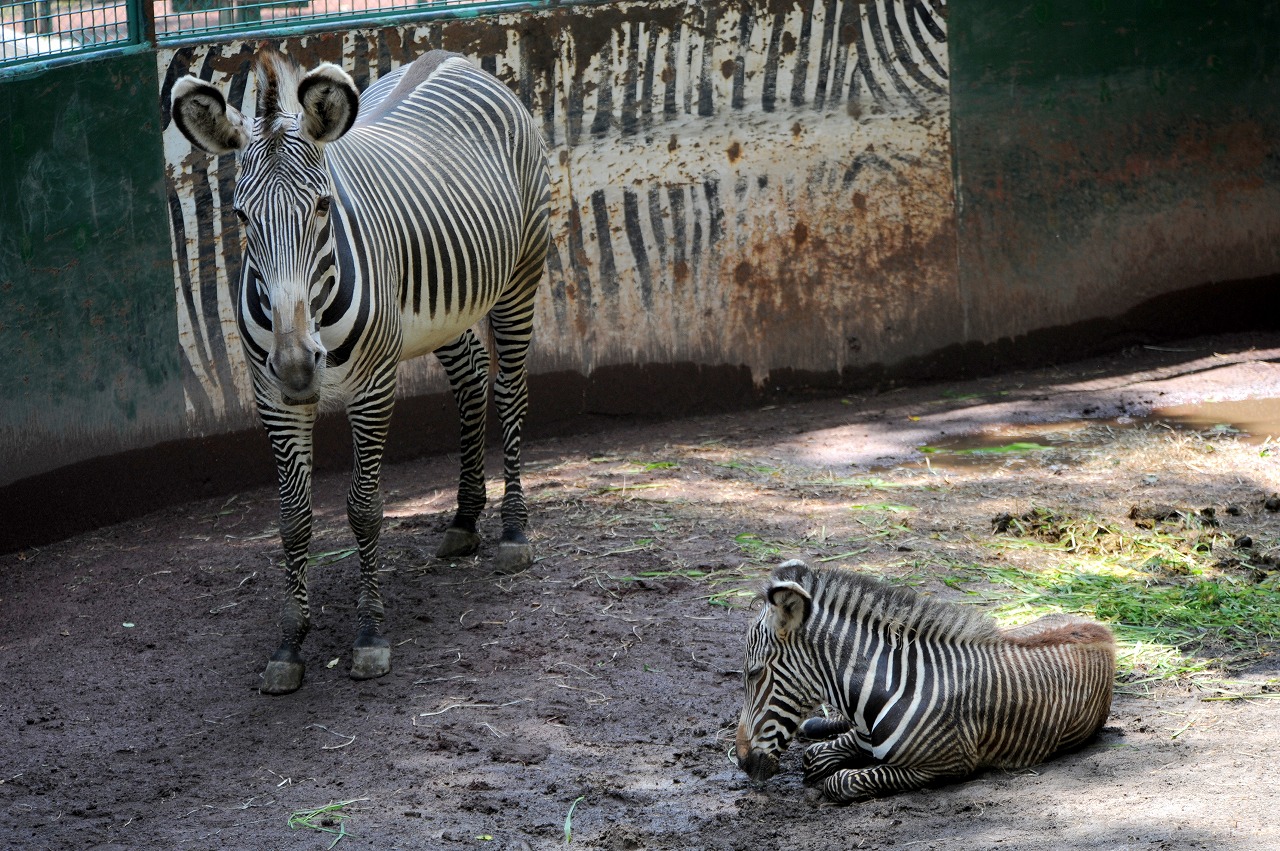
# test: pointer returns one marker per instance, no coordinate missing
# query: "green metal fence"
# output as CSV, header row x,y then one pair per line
x,y
181,19
35,31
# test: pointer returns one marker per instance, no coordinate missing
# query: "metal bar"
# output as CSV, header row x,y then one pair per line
x,y
143,12
322,22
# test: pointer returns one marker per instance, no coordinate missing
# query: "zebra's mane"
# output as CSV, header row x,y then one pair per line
x,y
277,80
844,592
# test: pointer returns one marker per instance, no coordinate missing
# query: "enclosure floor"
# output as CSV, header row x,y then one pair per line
x,y
608,674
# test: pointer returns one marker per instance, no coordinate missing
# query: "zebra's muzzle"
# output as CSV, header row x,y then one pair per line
x,y
297,357
298,384
313,399
758,765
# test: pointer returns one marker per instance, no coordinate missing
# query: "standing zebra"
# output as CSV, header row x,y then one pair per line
x,y
926,690
379,229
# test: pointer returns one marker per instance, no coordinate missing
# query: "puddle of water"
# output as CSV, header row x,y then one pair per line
x,y
1257,419
1253,421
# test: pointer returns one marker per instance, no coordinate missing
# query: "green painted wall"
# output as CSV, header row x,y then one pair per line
x,y
1109,153
88,338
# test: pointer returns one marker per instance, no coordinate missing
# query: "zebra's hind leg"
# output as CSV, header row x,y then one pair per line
x,y
290,432
823,759
370,421
466,364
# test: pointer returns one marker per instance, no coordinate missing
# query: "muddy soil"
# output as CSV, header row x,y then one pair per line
x,y
596,693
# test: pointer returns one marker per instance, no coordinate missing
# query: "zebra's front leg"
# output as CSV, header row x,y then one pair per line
x,y
290,432
370,421
466,364
512,321
511,396
858,784
823,759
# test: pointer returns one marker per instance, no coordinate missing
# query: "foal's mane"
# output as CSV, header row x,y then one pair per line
x,y
858,595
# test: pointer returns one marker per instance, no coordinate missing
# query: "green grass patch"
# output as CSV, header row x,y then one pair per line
x,y
883,507
868,482
327,819
756,548
1178,610
1016,448
762,469
632,486
1180,543
322,559
1166,628
568,820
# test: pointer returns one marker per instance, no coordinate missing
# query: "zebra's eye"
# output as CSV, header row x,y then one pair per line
x,y
756,672
240,214
322,205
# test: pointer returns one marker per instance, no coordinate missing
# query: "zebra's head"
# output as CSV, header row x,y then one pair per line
x,y
283,198
781,688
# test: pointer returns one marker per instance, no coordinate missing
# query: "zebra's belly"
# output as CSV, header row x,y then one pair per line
x,y
422,334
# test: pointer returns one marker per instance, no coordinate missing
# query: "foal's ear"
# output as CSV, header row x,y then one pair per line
x,y
329,101
202,115
789,606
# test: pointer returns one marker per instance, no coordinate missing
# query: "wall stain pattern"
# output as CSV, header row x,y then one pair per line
x,y
758,182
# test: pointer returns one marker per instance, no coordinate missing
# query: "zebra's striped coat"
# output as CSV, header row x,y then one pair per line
x,y
380,228
926,691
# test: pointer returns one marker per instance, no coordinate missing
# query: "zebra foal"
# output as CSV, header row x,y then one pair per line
x,y
379,227
926,690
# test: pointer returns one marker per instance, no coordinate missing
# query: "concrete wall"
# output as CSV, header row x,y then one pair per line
x,y
1110,154
747,195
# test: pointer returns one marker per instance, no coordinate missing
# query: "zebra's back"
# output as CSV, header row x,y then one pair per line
x,y
1052,693
441,187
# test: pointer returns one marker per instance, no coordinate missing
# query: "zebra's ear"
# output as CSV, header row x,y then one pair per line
x,y
329,101
789,606
202,115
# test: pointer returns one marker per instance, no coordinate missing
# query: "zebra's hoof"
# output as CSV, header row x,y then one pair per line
x,y
513,556
367,663
458,542
281,677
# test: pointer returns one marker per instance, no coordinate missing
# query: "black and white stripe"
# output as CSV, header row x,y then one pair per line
x,y
371,240
923,690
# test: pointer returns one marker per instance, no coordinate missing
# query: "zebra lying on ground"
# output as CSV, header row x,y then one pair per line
x,y
926,690
380,227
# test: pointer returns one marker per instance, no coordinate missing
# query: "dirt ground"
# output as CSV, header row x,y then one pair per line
x,y
608,674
